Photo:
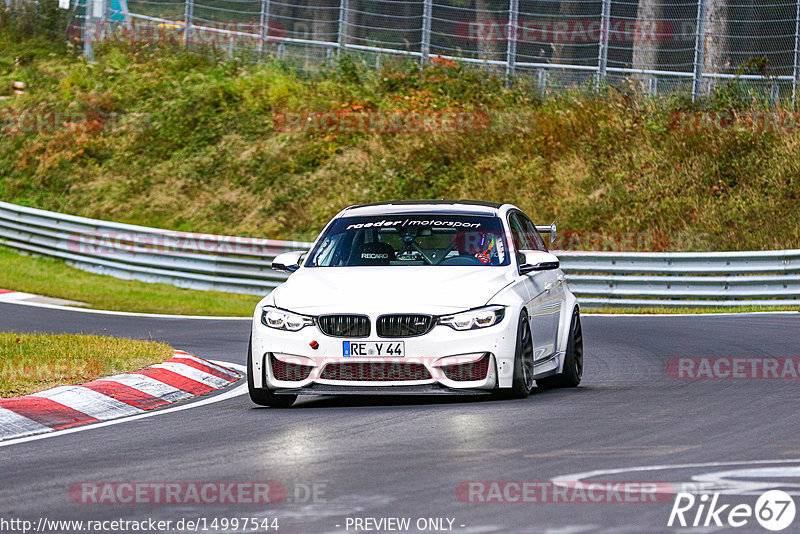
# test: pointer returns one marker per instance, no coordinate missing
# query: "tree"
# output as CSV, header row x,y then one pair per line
x,y
645,43
715,58
491,44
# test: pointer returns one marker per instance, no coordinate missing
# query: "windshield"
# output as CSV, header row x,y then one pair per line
x,y
412,239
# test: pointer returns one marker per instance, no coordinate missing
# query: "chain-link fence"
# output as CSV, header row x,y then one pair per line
x,y
653,46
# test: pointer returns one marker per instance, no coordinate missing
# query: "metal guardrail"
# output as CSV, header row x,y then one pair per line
x,y
189,260
684,279
242,264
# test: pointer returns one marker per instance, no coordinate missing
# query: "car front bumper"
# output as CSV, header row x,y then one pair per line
x,y
437,351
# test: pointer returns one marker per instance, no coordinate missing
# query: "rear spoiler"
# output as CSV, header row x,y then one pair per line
x,y
548,230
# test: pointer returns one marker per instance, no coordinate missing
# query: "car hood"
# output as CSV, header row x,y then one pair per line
x,y
377,290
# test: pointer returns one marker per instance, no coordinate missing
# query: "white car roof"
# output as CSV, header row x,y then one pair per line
x,y
439,206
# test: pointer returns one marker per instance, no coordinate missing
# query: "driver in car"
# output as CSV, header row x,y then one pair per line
x,y
480,245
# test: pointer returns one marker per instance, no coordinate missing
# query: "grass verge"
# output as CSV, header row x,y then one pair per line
x,y
34,362
53,278
683,311
163,137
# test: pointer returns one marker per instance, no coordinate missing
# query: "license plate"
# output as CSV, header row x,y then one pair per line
x,y
383,349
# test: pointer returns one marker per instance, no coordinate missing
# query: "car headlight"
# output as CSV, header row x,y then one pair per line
x,y
480,318
284,320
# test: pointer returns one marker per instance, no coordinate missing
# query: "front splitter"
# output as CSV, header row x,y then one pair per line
x,y
323,389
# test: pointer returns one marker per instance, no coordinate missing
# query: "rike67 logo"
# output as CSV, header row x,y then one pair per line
x,y
774,510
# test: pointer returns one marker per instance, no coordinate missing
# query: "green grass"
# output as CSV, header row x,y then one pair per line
x,y
53,278
198,150
33,362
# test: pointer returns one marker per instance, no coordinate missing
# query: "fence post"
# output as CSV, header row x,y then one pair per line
x,y
88,51
796,70
699,49
602,53
511,35
343,9
427,15
188,14
94,12
263,27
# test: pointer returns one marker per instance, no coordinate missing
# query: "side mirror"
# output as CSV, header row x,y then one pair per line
x,y
536,260
288,262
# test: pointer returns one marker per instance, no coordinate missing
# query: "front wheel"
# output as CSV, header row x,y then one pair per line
x,y
572,373
264,397
522,382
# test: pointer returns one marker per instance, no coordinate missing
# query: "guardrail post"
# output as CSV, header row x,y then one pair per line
x,y
263,27
343,10
427,15
796,70
188,15
511,35
699,49
602,53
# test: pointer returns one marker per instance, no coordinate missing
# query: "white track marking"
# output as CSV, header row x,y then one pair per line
x,y
756,479
195,374
151,386
578,477
129,314
16,425
89,402
240,390
14,296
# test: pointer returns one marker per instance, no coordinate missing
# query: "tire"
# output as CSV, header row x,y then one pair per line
x,y
264,397
572,373
522,382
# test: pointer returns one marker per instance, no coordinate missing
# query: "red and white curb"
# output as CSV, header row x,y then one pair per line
x,y
181,377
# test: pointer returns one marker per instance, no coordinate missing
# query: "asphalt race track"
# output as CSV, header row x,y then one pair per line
x,y
391,457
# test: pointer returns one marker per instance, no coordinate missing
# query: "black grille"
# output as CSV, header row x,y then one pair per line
x,y
404,325
344,325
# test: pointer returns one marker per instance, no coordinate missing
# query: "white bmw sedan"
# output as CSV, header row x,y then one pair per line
x,y
418,297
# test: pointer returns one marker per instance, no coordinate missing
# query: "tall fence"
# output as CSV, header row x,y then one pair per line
x,y
242,265
653,46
